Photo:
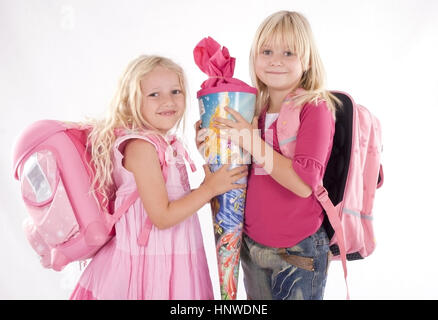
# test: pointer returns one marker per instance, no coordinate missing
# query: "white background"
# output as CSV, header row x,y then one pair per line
x,y
62,60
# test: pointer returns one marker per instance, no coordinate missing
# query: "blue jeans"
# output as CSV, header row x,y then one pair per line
x,y
295,273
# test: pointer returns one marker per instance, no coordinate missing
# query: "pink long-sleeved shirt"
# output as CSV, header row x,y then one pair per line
x,y
274,215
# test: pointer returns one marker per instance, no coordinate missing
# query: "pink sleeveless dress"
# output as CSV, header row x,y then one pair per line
x,y
172,265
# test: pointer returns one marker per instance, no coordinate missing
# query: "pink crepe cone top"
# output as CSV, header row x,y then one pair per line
x,y
216,62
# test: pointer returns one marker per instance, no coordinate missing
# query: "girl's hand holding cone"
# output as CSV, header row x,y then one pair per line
x,y
240,131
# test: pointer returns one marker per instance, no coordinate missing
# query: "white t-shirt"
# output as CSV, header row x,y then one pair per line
x,y
270,118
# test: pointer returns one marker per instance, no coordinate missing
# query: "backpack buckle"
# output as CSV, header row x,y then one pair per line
x,y
321,194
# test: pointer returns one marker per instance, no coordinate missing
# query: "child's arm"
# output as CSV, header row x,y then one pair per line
x,y
281,168
141,158
278,166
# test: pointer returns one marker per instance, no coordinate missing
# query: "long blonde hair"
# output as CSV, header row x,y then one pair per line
x,y
292,29
124,113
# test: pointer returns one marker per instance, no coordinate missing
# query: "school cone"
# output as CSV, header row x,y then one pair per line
x,y
228,208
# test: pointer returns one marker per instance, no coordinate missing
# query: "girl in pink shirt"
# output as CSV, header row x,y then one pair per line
x,y
285,249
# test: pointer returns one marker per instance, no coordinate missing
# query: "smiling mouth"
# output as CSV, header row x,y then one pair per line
x,y
167,113
276,72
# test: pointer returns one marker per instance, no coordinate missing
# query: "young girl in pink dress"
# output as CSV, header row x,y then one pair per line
x,y
133,149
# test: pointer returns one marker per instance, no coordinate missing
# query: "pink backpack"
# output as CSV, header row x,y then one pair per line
x,y
67,223
353,174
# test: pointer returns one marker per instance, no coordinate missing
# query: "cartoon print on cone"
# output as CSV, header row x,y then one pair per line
x,y
218,92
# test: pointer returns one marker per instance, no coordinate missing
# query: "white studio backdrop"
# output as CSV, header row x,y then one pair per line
x,y
62,60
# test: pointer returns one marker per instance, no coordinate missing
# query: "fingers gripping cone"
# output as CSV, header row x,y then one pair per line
x,y
219,91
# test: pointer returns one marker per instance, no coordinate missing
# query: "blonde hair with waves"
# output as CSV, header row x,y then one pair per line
x,y
292,29
124,113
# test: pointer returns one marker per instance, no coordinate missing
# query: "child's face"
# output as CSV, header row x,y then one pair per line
x,y
278,67
163,102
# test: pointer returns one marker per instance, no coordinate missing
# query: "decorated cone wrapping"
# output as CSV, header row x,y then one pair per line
x,y
218,91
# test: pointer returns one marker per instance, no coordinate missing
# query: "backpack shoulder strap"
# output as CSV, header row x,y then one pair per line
x,y
322,195
124,207
147,227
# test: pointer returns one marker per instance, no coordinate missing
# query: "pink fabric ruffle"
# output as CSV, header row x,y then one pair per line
x,y
309,170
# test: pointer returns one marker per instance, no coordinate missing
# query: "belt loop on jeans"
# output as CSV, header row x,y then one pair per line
x,y
305,263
